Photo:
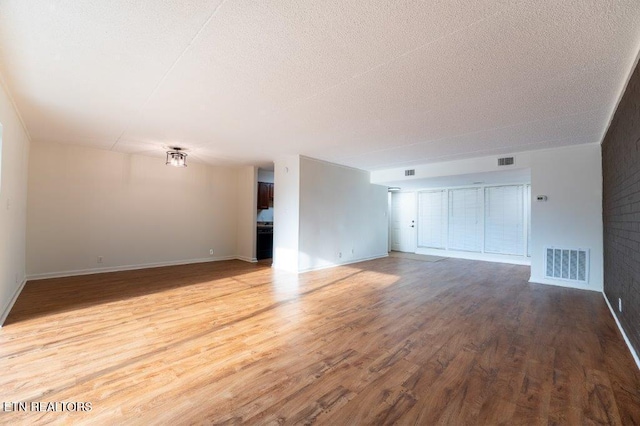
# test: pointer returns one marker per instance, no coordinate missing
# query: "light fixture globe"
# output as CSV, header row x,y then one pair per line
x,y
176,157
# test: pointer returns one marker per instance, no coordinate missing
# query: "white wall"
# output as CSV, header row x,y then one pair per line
x,y
571,178
342,217
286,217
246,231
132,210
13,202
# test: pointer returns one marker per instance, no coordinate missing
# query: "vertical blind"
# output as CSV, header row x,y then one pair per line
x,y
465,219
432,219
504,220
493,219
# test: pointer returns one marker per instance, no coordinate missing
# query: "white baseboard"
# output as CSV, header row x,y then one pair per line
x,y
634,354
247,259
485,257
560,283
72,273
333,265
5,312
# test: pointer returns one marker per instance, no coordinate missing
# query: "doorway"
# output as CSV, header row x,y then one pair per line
x,y
264,216
403,222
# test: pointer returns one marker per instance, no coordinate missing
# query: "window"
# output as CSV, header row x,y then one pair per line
x,y
432,219
504,220
489,219
465,219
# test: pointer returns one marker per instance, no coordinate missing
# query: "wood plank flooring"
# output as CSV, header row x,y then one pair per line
x,y
381,342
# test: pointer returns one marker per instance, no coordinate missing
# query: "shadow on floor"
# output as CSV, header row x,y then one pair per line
x,y
49,296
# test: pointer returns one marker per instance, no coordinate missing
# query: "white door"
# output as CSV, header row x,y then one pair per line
x,y
403,222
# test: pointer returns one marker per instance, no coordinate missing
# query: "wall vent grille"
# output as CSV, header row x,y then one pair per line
x,y
411,172
567,264
506,161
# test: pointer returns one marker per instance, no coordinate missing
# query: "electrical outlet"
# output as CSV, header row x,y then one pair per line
x,y
353,251
99,259
340,255
211,252
619,304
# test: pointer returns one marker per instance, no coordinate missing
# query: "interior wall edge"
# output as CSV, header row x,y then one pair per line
x,y
247,259
349,262
72,273
12,301
484,257
621,92
5,86
634,354
534,279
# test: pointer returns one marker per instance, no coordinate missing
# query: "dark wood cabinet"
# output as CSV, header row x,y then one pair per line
x,y
265,195
264,246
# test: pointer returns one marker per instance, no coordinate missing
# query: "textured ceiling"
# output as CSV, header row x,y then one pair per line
x,y
369,84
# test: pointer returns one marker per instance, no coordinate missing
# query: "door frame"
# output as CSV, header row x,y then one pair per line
x,y
412,205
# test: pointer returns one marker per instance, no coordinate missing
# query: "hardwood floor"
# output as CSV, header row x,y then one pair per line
x,y
387,341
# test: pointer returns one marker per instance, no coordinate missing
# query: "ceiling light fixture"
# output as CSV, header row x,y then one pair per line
x,y
176,157
394,189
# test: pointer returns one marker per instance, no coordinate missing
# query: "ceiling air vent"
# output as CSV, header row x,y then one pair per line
x,y
505,161
411,172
